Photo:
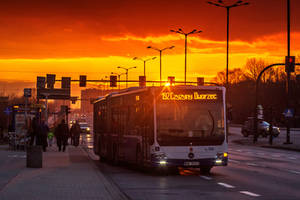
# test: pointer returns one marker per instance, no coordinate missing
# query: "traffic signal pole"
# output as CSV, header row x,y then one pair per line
x,y
288,74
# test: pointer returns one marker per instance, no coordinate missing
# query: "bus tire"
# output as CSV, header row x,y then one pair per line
x,y
205,169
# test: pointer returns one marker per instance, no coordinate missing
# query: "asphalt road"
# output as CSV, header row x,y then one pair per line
x,y
253,173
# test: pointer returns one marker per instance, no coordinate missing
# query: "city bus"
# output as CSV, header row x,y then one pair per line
x,y
163,127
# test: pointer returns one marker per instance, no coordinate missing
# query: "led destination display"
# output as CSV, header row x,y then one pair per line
x,y
190,96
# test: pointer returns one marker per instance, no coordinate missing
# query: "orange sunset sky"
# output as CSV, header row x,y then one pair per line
x,y
93,37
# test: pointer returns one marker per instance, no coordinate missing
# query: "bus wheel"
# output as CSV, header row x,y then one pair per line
x,y
205,169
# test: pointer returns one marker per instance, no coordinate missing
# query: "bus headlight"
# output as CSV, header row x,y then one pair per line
x,y
160,158
163,162
220,157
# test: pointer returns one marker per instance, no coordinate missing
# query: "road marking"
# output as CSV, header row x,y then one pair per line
x,y
206,177
16,156
251,164
239,150
292,158
226,185
294,172
250,194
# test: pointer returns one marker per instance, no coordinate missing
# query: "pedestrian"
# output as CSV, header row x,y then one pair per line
x,y
75,132
50,138
33,130
62,134
42,136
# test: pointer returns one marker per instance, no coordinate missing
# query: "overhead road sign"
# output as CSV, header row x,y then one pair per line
x,y
63,93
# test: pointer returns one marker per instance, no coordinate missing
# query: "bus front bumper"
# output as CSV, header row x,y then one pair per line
x,y
190,163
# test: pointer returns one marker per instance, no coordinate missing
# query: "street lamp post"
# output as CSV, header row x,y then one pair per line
x,y
160,53
126,69
180,31
223,5
137,58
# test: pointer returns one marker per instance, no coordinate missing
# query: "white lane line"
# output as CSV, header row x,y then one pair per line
x,y
206,177
292,158
234,161
276,155
294,172
239,150
226,185
250,194
251,164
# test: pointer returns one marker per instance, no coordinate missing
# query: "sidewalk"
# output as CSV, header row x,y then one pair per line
x,y
65,175
278,143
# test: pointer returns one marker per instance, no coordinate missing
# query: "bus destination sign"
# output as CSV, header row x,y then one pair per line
x,y
167,96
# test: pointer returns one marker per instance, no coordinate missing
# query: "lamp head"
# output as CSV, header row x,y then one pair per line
x,y
149,47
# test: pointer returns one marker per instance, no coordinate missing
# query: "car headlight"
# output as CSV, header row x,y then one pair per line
x,y
88,129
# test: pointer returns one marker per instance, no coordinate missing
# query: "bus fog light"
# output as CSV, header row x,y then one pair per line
x,y
163,162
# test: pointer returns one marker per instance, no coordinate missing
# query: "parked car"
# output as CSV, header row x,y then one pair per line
x,y
84,127
262,128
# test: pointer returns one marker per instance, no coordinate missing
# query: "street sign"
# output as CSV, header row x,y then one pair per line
x,y
53,93
27,92
8,110
288,112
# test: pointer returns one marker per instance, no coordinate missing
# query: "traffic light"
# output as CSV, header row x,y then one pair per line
x,y
289,64
65,82
82,80
171,80
68,110
200,81
113,81
40,82
50,81
142,81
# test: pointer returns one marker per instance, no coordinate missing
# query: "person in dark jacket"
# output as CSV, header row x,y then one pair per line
x,y
62,134
43,133
75,133
33,131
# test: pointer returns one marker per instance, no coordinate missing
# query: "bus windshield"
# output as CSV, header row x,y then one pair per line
x,y
190,123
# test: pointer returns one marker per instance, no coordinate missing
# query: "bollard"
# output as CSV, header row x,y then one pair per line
x,y
34,157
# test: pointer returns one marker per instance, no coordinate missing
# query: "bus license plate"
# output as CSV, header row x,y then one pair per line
x,y
193,163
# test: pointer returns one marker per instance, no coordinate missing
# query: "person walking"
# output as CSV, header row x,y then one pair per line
x,y
50,138
75,132
43,133
62,134
33,131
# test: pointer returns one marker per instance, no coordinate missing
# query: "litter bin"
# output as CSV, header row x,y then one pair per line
x,y
34,158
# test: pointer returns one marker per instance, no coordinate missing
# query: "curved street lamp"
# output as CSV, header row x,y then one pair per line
x,y
220,3
180,31
126,69
160,53
137,58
